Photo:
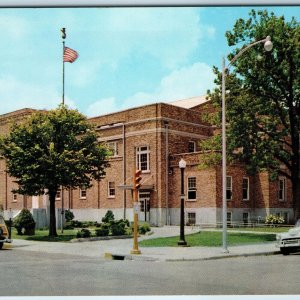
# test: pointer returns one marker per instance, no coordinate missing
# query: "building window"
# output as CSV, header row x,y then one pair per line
x,y
191,218
245,188
82,192
58,194
228,188
192,191
246,217
282,189
111,190
191,146
143,158
15,197
113,148
229,218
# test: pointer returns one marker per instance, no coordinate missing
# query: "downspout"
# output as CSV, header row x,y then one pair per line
x,y
167,173
124,169
6,190
98,194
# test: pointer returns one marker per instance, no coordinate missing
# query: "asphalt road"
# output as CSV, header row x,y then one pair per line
x,y
26,273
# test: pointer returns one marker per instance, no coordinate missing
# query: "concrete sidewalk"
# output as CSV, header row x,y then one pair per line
x,y
120,248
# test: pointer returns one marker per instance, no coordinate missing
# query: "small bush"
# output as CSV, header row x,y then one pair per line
x,y
274,220
69,216
109,217
103,230
118,228
83,233
69,225
143,228
24,221
75,224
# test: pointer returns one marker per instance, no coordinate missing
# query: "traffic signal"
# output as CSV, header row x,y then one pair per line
x,y
137,179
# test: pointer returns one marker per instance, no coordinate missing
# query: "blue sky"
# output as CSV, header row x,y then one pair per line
x,y
127,56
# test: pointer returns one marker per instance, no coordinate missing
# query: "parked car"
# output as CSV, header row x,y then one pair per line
x,y
289,241
4,234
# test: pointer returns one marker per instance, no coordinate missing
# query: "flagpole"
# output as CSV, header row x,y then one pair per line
x,y
63,30
63,91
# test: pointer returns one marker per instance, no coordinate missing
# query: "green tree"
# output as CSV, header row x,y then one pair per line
x,y
263,98
53,149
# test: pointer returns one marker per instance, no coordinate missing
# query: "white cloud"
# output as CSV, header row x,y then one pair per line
x,y
15,94
13,27
186,82
102,106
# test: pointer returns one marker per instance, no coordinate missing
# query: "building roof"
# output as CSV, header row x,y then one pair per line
x,y
190,102
18,112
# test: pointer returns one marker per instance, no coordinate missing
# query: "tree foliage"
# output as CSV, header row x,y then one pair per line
x,y
53,149
263,102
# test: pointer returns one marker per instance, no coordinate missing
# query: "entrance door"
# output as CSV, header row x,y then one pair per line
x,y
144,198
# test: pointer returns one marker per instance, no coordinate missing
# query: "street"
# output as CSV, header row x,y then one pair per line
x,y
28,273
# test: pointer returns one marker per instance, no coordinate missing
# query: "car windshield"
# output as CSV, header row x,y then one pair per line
x,y
297,223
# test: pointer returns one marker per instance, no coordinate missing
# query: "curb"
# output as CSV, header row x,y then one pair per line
x,y
225,256
113,256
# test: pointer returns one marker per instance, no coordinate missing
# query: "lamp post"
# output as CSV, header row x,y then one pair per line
x,y
182,242
268,45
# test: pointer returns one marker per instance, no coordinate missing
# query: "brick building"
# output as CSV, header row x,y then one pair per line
x,y
154,138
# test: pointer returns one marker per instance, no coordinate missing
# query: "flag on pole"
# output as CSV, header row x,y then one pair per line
x,y
70,55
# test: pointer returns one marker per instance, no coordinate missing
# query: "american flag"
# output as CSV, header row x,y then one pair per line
x,y
70,55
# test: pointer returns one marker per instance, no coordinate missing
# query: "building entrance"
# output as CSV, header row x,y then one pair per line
x,y
144,199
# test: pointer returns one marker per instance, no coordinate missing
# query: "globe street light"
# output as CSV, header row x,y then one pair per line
x,y
182,242
268,45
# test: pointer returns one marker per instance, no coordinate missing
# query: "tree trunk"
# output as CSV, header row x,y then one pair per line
x,y
296,198
52,225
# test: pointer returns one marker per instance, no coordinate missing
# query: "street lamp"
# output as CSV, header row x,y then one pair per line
x,y
268,45
182,242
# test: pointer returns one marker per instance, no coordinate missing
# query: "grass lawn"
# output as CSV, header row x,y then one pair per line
x,y
210,239
42,235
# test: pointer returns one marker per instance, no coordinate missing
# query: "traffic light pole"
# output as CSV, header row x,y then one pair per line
x,y
136,179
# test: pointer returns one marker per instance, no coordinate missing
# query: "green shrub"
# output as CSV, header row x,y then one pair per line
x,y
274,220
118,228
24,221
75,224
83,233
103,230
143,228
109,217
69,216
69,225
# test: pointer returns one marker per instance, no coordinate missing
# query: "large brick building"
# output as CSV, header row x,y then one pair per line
x,y
154,138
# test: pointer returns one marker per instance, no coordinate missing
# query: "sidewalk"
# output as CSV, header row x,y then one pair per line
x,y
120,248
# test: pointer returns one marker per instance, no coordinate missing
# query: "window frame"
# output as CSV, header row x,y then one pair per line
x,y
139,153
81,191
192,189
194,147
229,220
14,197
58,192
113,147
230,188
248,188
282,191
189,218
109,189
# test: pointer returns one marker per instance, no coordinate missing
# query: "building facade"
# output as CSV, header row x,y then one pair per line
x,y
153,138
